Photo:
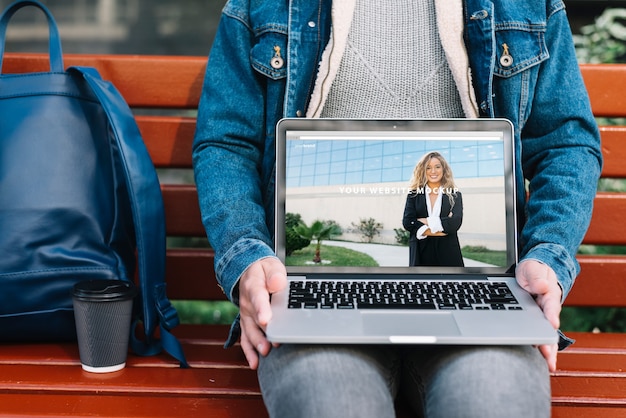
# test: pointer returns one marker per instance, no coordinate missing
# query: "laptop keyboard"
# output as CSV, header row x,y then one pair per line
x,y
437,295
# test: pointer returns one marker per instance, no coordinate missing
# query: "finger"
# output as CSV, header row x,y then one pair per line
x,y
255,286
551,307
253,295
549,352
249,352
275,280
550,304
253,341
260,309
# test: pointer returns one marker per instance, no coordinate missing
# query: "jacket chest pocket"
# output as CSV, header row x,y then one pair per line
x,y
269,55
518,47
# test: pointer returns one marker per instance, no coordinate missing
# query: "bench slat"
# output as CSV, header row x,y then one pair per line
x,y
190,275
182,211
205,355
138,380
601,282
182,200
145,81
59,399
573,363
598,342
614,151
607,391
608,213
176,81
128,405
563,408
606,85
168,139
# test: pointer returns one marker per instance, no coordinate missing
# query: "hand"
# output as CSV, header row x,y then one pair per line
x,y
540,281
257,283
428,232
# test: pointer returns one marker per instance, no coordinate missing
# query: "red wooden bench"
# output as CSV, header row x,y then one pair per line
x,y
47,380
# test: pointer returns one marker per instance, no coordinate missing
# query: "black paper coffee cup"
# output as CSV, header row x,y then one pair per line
x,y
103,310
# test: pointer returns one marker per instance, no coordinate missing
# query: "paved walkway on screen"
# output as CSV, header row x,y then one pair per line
x,y
388,255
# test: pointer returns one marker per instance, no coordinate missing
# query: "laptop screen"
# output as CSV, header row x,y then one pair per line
x,y
346,189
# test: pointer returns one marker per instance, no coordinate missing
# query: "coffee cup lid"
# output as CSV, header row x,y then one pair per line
x,y
104,290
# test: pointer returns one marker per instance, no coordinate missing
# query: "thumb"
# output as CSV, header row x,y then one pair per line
x,y
534,276
275,275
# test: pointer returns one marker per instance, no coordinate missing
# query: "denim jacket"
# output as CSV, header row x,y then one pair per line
x,y
263,66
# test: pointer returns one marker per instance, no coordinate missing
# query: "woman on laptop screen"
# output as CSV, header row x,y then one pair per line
x,y
433,214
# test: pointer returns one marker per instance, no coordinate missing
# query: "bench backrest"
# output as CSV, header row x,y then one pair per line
x,y
602,279
164,92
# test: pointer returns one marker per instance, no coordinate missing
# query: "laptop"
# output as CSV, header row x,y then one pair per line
x,y
343,184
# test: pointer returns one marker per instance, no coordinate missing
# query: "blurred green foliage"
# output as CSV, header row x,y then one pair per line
x,y
603,40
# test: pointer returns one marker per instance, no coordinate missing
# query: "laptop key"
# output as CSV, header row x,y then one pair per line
x,y
396,306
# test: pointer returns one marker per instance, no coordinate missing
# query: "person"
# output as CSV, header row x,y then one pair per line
x,y
402,59
433,214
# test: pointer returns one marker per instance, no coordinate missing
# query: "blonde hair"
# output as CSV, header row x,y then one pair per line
x,y
419,179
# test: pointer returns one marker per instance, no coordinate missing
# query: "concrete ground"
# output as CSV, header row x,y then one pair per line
x,y
388,255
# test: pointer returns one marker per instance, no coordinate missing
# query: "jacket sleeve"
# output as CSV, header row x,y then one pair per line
x,y
451,224
227,155
561,159
409,219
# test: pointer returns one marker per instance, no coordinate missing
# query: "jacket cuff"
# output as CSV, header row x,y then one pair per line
x,y
420,232
236,261
556,257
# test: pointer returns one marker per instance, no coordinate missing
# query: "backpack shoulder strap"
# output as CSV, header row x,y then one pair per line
x,y
148,217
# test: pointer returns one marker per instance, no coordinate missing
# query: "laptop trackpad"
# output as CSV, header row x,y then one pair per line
x,y
425,327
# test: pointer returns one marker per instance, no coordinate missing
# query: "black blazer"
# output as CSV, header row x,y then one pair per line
x,y
416,208
434,251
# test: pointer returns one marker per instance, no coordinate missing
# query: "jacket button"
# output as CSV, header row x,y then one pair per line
x,y
506,60
276,63
479,15
299,113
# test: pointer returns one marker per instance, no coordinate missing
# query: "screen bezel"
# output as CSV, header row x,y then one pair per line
x,y
398,127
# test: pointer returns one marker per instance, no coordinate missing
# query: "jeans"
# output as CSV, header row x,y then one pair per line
x,y
438,381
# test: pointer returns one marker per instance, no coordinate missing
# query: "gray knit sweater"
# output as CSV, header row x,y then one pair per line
x,y
394,65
